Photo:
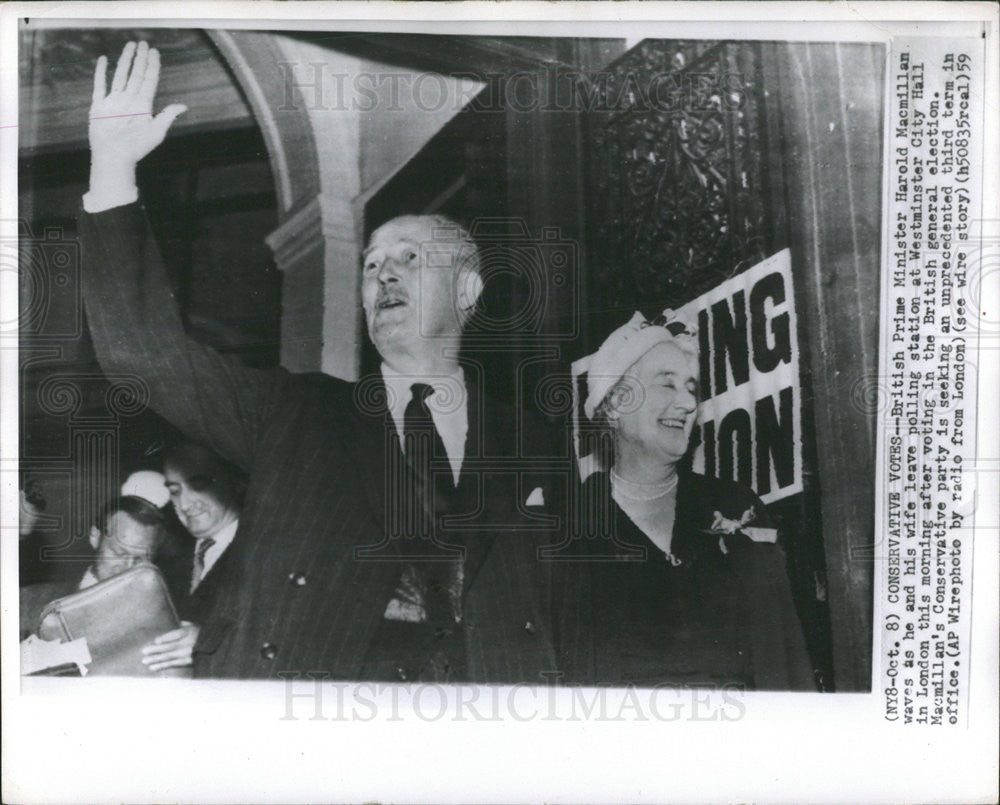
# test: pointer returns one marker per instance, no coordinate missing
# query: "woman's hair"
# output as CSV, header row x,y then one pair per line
x,y
602,414
598,434
205,471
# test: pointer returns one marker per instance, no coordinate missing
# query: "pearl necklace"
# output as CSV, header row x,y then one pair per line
x,y
628,488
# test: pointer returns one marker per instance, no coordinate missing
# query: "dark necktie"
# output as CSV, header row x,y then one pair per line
x,y
426,456
199,560
440,565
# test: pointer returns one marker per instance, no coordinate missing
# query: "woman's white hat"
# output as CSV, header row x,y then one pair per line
x,y
148,485
630,342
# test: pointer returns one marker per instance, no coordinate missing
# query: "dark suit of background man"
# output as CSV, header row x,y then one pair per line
x,y
381,538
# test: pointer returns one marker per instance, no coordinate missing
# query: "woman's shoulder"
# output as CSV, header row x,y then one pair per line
x,y
723,513
728,497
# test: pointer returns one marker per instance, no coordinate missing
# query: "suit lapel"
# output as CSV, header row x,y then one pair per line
x,y
374,446
478,443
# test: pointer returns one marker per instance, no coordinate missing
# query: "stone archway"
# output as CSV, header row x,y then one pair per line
x,y
330,146
315,245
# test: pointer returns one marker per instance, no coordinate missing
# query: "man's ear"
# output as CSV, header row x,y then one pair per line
x,y
470,286
95,537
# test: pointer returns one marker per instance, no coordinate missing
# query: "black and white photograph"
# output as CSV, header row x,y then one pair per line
x,y
372,370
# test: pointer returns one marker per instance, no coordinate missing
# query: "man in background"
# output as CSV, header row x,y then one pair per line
x,y
32,567
129,529
207,495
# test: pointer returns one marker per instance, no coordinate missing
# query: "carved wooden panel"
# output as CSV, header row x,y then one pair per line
x,y
678,195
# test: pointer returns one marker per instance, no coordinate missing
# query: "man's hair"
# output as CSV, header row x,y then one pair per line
x,y
467,248
447,230
466,256
33,493
206,472
143,512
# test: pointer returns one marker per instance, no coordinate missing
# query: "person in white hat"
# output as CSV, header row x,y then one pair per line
x,y
129,529
148,485
680,581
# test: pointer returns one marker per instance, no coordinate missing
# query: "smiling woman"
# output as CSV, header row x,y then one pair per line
x,y
684,584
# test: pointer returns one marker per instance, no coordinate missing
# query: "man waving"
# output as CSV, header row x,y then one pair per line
x,y
385,533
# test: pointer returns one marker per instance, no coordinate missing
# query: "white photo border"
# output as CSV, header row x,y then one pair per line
x,y
213,741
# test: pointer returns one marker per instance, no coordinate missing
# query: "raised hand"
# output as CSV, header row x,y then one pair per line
x,y
122,127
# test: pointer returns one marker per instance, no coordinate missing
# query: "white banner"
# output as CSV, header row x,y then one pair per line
x,y
750,421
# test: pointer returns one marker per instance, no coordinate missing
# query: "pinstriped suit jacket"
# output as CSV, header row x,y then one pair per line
x,y
312,570
194,606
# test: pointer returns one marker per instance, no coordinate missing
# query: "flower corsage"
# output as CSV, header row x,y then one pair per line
x,y
726,527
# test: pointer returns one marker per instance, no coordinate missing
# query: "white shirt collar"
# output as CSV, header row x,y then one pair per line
x,y
448,405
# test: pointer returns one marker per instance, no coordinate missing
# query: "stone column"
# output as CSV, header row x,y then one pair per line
x,y
319,251
311,126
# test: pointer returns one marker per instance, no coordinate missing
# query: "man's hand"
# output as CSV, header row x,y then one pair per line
x,y
122,127
171,649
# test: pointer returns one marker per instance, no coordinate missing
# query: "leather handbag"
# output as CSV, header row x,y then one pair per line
x,y
117,617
